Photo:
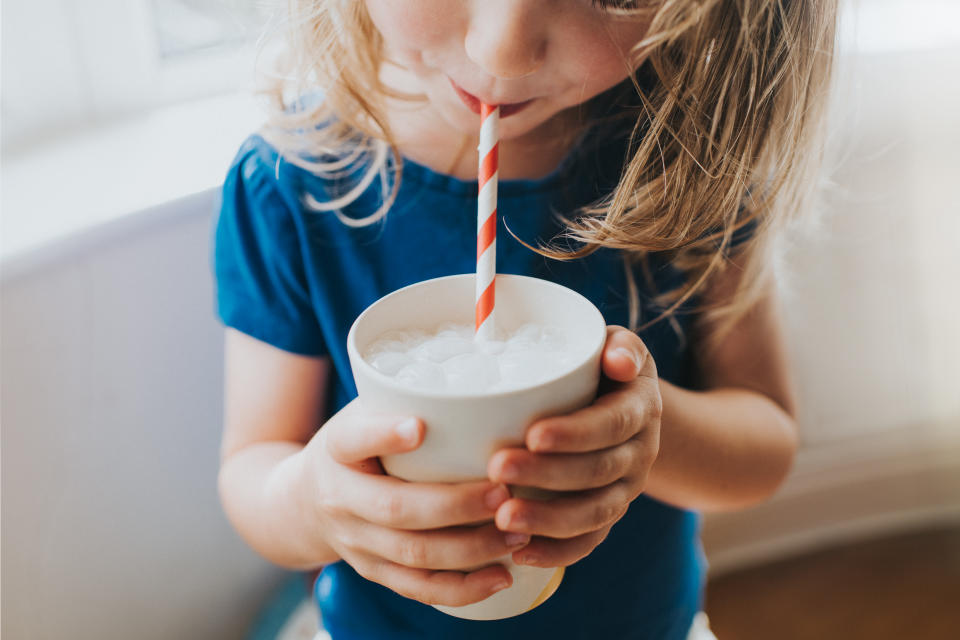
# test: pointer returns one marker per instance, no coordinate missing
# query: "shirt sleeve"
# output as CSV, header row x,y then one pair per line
x,y
261,284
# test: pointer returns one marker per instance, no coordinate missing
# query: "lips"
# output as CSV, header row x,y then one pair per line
x,y
472,102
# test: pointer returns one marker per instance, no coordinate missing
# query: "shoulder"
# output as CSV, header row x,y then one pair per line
x,y
260,204
270,191
253,170
260,175
255,165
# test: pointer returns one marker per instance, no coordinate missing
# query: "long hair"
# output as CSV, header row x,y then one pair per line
x,y
728,135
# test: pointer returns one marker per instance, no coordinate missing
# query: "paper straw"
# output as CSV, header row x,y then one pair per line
x,y
487,220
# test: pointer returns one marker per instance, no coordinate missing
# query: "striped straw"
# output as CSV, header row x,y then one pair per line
x,y
487,219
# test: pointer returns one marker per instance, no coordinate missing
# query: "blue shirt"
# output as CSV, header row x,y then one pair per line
x,y
297,279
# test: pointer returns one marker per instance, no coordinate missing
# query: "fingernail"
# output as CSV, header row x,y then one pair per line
x,y
528,559
518,521
509,472
408,430
496,497
633,358
500,586
542,440
516,539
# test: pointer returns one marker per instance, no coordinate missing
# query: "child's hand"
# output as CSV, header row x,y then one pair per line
x,y
600,455
407,536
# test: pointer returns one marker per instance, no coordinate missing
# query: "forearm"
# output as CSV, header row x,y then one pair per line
x,y
720,449
263,491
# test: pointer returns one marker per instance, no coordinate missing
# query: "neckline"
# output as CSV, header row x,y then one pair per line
x,y
517,187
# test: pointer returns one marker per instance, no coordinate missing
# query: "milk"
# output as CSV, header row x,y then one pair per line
x,y
449,359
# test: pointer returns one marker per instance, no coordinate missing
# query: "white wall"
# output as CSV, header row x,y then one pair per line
x,y
111,413
872,306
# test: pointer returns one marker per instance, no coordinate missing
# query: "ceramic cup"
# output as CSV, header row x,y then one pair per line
x,y
464,430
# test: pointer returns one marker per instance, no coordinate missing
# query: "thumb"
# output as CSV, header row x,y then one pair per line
x,y
356,434
625,357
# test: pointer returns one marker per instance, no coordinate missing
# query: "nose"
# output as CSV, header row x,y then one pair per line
x,y
507,38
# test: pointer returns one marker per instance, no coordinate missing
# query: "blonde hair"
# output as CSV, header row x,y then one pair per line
x,y
728,135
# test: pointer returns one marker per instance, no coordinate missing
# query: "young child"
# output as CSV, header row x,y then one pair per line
x,y
649,152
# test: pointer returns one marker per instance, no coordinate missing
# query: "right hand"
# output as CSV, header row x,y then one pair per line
x,y
414,538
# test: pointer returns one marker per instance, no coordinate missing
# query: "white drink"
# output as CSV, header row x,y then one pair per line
x,y
450,359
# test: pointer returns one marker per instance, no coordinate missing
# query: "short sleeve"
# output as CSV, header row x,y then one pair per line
x,y
261,284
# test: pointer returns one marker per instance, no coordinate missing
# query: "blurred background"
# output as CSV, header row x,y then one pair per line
x,y
119,119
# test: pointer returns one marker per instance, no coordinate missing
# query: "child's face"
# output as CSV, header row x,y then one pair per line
x,y
537,56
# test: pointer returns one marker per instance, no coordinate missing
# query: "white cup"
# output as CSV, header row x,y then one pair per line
x,y
464,430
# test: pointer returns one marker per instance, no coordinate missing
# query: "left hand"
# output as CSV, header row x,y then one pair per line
x,y
598,457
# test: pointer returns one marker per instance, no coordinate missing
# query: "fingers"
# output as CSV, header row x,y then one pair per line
x,y
356,434
454,548
567,472
625,357
613,419
550,552
567,516
391,502
450,588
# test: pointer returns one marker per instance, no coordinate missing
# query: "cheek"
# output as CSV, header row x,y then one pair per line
x,y
411,25
597,61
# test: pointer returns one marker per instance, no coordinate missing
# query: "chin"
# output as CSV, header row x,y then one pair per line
x,y
522,124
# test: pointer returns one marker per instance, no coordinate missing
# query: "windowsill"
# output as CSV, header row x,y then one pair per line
x,y
110,172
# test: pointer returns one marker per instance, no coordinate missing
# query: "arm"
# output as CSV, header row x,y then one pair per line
x,y
731,445
273,403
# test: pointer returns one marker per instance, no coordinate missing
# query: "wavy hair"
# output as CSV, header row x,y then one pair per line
x,y
728,134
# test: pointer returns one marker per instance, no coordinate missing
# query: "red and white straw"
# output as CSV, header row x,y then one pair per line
x,y
487,220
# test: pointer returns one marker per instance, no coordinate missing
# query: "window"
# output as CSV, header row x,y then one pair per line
x,y
73,63
185,27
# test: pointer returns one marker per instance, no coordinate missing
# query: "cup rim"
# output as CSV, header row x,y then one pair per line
x,y
358,360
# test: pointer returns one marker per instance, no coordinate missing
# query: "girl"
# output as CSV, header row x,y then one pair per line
x,y
650,151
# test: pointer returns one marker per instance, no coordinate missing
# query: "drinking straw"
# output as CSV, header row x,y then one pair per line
x,y
487,220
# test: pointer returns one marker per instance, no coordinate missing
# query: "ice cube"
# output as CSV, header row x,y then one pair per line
x,y
443,348
519,343
521,367
427,376
452,329
490,347
529,332
399,341
390,362
452,358
471,372
553,339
